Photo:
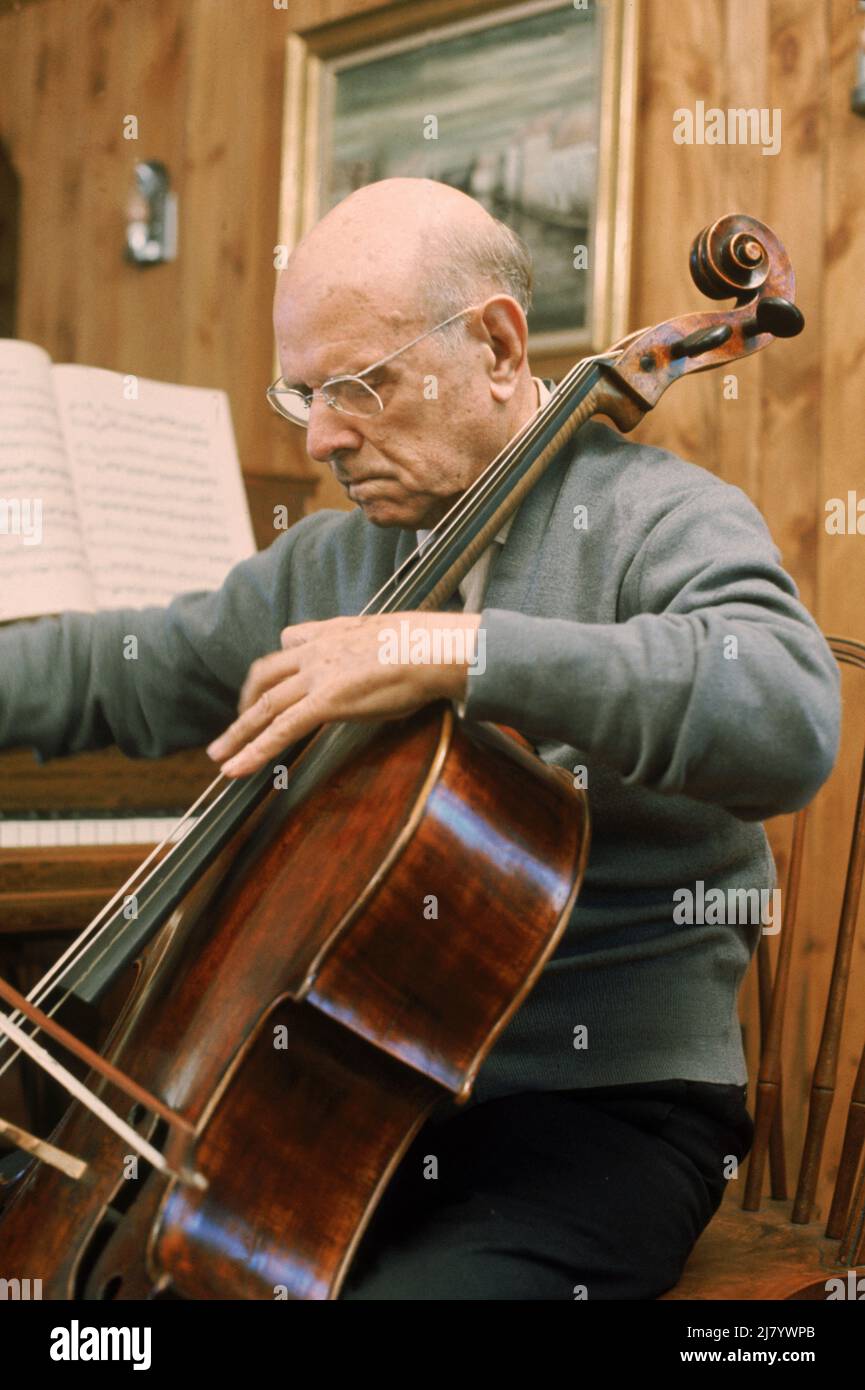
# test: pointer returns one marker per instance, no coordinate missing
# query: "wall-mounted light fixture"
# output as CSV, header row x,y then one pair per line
x,y
151,216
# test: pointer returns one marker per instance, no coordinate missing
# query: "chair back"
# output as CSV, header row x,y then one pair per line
x,y
846,1220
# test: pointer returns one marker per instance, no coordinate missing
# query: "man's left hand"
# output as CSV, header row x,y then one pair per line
x,y
339,669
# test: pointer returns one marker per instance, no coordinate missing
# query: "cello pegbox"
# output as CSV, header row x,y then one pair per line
x,y
735,256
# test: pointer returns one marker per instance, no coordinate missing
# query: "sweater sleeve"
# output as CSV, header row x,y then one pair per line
x,y
717,685
151,680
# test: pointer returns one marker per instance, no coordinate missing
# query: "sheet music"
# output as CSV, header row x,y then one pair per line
x,y
158,482
43,565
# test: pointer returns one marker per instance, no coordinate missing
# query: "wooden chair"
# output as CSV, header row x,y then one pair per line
x,y
779,1252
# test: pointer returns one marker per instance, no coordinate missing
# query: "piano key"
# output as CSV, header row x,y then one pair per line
x,y
13,835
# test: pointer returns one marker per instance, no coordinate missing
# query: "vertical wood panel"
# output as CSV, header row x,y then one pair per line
x,y
789,484
744,175
231,187
789,432
677,193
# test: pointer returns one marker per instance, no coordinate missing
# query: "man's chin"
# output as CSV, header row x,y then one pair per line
x,y
385,512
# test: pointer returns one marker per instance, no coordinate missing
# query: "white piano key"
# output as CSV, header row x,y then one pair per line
x,y
45,832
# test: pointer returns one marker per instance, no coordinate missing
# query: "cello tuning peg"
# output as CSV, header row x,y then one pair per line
x,y
776,316
697,343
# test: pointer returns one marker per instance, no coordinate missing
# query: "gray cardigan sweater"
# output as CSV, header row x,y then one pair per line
x,y
611,645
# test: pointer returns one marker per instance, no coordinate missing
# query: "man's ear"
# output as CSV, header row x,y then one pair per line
x,y
502,324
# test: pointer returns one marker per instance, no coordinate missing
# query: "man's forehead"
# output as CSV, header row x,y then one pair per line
x,y
342,330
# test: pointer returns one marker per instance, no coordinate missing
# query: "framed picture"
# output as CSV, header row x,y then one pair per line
x,y
526,107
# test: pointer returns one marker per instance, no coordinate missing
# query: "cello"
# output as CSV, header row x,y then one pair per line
x,y
295,1017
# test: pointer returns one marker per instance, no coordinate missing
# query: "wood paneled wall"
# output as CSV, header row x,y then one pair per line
x,y
205,78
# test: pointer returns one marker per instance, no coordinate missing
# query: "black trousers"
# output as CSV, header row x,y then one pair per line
x,y
597,1194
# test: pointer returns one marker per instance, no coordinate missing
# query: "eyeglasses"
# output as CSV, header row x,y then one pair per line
x,y
350,395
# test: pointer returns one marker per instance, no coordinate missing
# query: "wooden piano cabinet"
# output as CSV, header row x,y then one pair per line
x,y
61,889
102,782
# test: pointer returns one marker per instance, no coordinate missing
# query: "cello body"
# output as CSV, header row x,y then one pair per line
x,y
322,990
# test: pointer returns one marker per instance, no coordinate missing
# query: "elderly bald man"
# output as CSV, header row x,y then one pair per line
x,y
663,650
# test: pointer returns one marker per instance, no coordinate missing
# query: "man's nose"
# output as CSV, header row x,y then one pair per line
x,y
329,431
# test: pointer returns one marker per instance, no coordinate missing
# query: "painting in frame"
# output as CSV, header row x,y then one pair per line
x,y
526,107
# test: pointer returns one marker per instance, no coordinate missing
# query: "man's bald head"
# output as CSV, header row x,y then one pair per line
x,y
414,246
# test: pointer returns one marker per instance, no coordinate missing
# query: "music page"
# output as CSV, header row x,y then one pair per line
x,y
158,483
43,564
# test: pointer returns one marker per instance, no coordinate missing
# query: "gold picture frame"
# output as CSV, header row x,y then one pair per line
x,y
316,60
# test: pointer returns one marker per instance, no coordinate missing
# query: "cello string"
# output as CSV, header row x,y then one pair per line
x,y
446,531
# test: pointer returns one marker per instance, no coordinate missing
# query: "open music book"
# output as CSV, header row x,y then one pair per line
x,y
115,491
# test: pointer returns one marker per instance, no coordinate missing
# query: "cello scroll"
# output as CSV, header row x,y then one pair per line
x,y
736,255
